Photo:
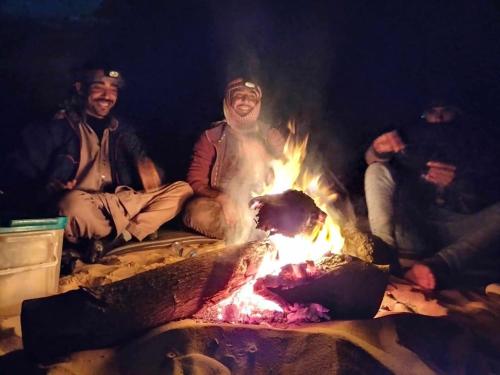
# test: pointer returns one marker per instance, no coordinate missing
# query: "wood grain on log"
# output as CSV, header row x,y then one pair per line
x,y
99,317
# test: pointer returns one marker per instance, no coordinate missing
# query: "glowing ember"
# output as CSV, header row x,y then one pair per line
x,y
289,173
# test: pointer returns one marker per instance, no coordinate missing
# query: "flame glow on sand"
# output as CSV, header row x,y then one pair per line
x,y
290,173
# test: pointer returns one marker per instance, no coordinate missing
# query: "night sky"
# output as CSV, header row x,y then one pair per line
x,y
345,70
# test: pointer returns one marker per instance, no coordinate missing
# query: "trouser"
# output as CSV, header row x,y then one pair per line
x,y
97,215
459,239
205,216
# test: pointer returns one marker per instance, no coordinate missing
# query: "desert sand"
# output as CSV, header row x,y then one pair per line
x,y
414,332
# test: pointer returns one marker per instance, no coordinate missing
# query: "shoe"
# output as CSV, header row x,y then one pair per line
x,y
97,248
68,261
385,254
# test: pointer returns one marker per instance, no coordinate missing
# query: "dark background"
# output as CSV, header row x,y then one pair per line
x,y
345,70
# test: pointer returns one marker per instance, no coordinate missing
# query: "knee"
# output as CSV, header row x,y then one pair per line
x,y
179,190
183,188
202,211
205,216
379,173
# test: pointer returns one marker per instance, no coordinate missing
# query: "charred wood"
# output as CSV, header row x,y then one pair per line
x,y
103,316
350,289
288,213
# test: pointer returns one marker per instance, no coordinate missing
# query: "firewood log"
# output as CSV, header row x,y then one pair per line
x,y
350,289
82,319
288,213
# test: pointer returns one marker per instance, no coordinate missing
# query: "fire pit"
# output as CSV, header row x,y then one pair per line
x,y
342,288
301,273
99,317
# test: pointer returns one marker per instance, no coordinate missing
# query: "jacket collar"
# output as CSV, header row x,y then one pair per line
x,y
75,118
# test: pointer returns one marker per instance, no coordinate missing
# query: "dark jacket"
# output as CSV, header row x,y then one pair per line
x,y
458,143
48,156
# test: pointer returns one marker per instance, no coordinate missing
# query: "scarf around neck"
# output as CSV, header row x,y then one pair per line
x,y
241,124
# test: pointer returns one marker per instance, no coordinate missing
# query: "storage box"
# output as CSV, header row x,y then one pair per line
x,y
30,260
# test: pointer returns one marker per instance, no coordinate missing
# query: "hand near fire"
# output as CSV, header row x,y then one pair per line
x,y
150,177
388,142
440,174
228,209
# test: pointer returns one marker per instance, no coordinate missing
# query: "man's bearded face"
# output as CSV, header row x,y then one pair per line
x,y
101,97
243,100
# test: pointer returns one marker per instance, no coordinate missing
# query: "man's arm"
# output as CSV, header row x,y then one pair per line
x,y
36,148
371,156
150,175
46,155
199,170
40,169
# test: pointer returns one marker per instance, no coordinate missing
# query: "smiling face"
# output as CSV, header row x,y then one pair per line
x,y
243,100
101,93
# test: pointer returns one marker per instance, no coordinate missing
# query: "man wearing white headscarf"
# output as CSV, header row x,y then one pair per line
x,y
230,160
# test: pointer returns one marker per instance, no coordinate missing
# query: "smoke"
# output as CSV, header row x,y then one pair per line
x,y
291,51
253,172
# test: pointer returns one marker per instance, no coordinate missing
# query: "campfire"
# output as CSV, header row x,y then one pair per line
x,y
296,210
302,272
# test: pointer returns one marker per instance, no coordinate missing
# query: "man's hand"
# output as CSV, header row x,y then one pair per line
x,y
228,208
388,142
70,185
440,174
60,186
149,175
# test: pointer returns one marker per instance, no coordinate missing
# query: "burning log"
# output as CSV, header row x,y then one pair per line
x,y
368,248
349,288
103,316
288,213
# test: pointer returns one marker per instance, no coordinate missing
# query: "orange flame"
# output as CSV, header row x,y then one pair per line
x,y
290,173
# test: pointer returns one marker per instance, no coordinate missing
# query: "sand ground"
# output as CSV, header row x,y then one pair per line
x,y
415,332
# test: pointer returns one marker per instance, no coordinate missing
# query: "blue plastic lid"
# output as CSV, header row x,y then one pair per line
x,y
28,225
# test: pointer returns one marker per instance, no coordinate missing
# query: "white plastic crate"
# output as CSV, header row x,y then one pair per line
x,y
30,261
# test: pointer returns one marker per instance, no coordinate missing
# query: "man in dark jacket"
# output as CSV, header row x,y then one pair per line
x,y
94,169
432,194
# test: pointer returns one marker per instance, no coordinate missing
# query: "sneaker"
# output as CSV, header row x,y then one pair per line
x,y
68,261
